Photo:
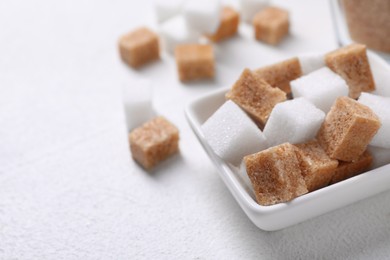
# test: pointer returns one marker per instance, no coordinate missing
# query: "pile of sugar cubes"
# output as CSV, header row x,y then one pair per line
x,y
184,24
302,124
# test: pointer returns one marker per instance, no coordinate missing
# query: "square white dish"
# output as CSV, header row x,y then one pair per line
x,y
310,205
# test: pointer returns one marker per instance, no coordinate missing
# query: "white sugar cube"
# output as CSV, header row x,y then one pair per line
x,y
166,9
232,134
321,87
311,62
175,31
137,99
294,121
381,156
203,15
249,8
381,107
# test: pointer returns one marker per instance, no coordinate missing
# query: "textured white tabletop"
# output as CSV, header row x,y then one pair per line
x,y
68,188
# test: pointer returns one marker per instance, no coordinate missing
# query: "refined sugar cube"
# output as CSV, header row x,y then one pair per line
x,y
381,156
347,130
381,107
351,63
166,9
271,25
153,142
321,87
281,73
243,175
139,47
275,174
195,61
175,31
137,100
203,15
232,134
311,62
250,7
228,25
293,121
255,96
316,166
346,170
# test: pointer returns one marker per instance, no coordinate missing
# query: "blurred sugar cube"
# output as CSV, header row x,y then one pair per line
x,y
203,16
293,121
321,87
250,7
166,9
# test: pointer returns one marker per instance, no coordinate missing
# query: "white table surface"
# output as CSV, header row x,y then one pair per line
x,y
68,186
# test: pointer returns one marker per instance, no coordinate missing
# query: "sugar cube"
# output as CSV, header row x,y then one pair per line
x,y
232,134
321,87
316,166
271,25
351,63
153,142
280,74
381,107
195,61
228,25
381,156
311,62
139,47
346,170
293,121
166,9
137,100
347,130
203,15
174,31
255,96
275,174
250,7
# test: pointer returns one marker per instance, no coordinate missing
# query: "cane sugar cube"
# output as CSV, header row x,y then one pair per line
x,y
137,100
346,170
321,87
271,25
232,134
153,142
351,63
381,156
316,166
280,74
381,107
293,121
255,96
203,15
275,174
139,47
311,62
166,9
347,130
228,25
175,31
195,61
251,7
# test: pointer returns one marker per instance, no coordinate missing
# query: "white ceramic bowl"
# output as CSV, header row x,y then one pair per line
x,y
304,207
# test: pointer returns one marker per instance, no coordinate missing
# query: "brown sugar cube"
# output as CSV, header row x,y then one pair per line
x,y
280,74
347,170
351,63
139,47
153,142
195,61
255,96
348,128
228,25
271,25
275,174
316,166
